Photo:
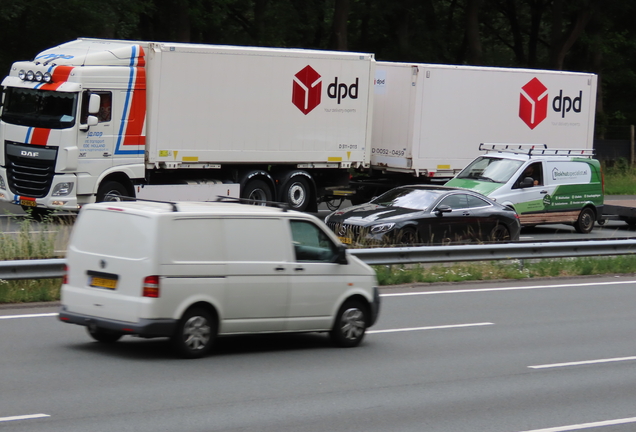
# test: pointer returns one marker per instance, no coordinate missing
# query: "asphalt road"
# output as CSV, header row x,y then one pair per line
x,y
491,357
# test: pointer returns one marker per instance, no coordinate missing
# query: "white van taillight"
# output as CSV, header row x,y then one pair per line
x,y
65,277
151,287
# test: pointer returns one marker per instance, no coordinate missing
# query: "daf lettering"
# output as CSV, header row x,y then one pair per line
x,y
565,104
342,91
29,153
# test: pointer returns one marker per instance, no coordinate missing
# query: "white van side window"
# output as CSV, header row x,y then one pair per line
x,y
311,243
533,171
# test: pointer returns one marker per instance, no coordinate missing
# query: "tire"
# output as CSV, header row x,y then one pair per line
x,y
103,336
499,233
407,237
111,191
350,324
257,190
296,193
195,333
585,223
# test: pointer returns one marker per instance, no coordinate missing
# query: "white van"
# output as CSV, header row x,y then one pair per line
x,y
544,186
192,271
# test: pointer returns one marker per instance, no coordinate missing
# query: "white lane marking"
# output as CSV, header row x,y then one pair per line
x,y
29,315
585,362
586,425
23,417
429,328
514,288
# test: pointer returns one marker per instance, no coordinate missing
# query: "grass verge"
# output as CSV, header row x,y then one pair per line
x,y
497,270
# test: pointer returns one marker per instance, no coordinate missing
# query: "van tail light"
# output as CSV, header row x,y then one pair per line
x,y
151,287
65,276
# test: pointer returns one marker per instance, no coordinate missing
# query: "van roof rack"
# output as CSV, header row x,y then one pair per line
x,y
127,198
280,205
534,149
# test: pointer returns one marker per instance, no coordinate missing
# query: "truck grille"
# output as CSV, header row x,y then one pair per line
x,y
29,176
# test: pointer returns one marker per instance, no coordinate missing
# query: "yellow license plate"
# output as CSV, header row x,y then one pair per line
x,y
345,240
100,282
28,203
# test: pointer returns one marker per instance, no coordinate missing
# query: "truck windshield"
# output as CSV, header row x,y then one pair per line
x,y
39,108
490,169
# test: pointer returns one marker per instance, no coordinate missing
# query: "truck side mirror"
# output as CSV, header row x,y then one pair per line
x,y
93,104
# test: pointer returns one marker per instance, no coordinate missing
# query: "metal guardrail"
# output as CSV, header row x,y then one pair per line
x,y
505,251
54,268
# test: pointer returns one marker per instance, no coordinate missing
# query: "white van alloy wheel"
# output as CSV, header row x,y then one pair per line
x,y
197,333
352,324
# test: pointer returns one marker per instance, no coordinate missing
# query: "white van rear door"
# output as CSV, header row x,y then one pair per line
x,y
108,258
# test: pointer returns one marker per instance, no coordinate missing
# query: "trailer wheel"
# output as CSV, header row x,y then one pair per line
x,y
111,191
257,190
585,222
296,193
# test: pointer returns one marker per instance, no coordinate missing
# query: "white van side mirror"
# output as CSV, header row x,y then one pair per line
x,y
526,182
341,255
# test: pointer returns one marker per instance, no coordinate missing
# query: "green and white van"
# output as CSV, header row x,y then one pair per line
x,y
544,186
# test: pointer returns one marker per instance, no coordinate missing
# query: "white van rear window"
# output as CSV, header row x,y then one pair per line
x,y
113,233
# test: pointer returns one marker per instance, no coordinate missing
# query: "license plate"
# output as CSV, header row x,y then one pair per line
x,y
100,282
345,240
28,203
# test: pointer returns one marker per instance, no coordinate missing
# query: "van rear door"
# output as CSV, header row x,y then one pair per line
x,y
106,271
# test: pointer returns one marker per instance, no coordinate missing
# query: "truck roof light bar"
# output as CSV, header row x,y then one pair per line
x,y
38,76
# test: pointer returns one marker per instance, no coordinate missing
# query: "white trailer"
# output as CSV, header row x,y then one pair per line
x,y
428,120
94,118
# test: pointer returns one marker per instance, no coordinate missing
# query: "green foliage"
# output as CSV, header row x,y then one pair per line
x,y
620,178
32,290
497,270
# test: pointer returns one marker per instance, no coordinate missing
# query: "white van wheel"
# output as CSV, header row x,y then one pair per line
x,y
350,325
195,333
585,223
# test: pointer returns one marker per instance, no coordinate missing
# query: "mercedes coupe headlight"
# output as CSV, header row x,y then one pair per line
x,y
382,228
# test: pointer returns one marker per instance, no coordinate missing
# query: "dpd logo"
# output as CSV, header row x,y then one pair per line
x,y
306,90
533,103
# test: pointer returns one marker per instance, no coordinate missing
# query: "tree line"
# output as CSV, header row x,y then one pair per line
x,y
575,35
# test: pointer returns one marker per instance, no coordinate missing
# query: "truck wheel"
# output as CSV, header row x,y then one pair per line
x,y
350,325
111,191
195,333
104,336
499,234
257,190
585,222
296,193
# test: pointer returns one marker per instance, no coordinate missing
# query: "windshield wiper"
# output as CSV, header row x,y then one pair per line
x,y
486,179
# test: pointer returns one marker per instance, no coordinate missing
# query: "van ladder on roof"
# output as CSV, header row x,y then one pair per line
x,y
534,149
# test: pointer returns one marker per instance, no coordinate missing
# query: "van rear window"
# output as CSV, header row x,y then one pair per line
x,y
112,233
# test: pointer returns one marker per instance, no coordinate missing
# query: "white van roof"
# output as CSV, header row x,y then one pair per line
x,y
189,207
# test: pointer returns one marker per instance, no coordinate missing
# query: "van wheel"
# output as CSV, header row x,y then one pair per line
x,y
585,222
296,193
195,333
104,336
111,191
499,234
350,325
257,190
